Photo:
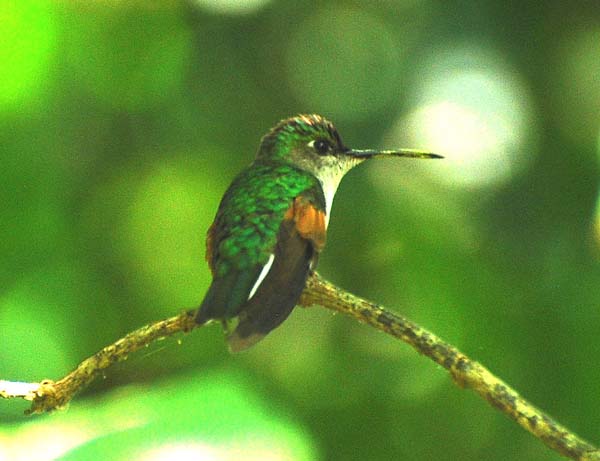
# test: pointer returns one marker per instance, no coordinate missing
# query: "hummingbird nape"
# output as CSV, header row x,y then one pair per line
x,y
271,226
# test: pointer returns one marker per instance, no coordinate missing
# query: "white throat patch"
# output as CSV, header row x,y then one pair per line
x,y
330,177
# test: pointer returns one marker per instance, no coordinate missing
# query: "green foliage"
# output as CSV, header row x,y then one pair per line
x,y
197,416
121,125
29,36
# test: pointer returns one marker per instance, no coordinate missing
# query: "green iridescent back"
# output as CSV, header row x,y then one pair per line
x,y
251,212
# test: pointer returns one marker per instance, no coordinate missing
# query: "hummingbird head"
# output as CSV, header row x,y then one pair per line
x,y
313,144
304,140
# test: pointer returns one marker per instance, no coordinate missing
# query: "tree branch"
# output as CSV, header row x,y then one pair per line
x,y
466,372
49,395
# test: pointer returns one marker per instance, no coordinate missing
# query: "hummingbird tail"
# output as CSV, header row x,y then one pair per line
x,y
238,344
279,292
226,295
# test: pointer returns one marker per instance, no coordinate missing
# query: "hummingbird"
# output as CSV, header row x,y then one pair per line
x,y
271,226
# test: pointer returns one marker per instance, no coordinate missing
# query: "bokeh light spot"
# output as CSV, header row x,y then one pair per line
x,y
162,236
473,110
254,450
27,44
160,421
232,7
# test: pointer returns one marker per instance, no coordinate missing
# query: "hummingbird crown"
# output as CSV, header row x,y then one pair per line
x,y
303,134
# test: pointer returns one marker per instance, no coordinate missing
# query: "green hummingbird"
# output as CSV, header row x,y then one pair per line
x,y
271,226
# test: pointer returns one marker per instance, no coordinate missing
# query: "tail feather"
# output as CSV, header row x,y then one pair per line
x,y
226,295
279,292
238,343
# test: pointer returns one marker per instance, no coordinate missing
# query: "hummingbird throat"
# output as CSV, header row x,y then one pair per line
x,y
330,174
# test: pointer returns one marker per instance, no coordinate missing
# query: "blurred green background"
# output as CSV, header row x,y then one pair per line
x,y
121,125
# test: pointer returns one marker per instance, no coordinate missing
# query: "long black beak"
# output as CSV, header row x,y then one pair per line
x,y
410,153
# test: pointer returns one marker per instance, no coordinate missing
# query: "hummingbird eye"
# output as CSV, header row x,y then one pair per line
x,y
321,146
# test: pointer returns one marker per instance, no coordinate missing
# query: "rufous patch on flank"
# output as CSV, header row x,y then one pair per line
x,y
310,221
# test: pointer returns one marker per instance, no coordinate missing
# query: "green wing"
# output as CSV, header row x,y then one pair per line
x,y
244,235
